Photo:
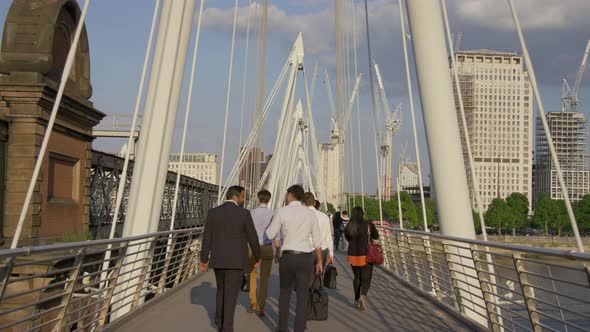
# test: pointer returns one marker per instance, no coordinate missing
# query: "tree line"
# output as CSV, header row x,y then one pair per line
x,y
508,215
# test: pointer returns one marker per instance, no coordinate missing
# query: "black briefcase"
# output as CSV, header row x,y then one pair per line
x,y
330,275
318,301
245,287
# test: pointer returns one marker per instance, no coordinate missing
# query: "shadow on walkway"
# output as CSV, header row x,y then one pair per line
x,y
392,307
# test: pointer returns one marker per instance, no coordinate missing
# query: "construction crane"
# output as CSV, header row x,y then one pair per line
x,y
570,100
392,125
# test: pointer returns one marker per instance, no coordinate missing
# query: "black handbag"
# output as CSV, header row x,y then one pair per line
x,y
318,301
245,282
330,274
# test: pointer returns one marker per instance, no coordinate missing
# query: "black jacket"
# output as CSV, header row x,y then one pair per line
x,y
228,231
357,235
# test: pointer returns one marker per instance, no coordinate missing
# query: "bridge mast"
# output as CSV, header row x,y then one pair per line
x,y
440,119
161,105
153,150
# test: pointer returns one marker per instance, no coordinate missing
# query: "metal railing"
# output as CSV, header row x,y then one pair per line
x,y
502,287
195,197
64,288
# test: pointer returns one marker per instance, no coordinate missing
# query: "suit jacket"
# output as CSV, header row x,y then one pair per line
x,y
228,231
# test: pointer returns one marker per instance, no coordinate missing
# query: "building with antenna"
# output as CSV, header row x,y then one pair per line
x,y
498,102
570,139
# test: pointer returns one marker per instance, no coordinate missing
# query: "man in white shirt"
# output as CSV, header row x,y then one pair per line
x,y
262,216
296,224
325,229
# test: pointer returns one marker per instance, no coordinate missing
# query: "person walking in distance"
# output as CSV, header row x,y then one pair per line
x,y
229,230
325,230
345,220
262,216
357,233
338,228
296,225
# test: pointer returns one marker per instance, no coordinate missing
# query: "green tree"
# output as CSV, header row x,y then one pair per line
x,y
562,219
431,212
372,208
546,210
476,222
582,211
409,212
518,204
331,208
498,214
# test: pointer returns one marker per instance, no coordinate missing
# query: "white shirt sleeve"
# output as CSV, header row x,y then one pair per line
x,y
330,239
275,226
316,235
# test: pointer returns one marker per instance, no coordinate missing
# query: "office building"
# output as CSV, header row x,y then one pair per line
x,y
498,102
570,138
200,166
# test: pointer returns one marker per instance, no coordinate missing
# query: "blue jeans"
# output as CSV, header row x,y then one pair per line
x,y
337,236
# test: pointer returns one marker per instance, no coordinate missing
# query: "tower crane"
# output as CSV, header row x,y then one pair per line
x,y
392,126
570,97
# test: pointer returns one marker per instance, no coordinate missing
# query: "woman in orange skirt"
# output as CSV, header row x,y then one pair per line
x,y
357,233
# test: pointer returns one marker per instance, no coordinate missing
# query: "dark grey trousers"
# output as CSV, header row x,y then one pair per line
x,y
295,271
228,288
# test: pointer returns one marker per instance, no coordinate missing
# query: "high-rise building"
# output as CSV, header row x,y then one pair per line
x,y
330,171
498,106
250,171
570,138
201,166
408,176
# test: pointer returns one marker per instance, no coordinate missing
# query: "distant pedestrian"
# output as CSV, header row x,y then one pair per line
x,y
338,229
345,221
296,224
262,216
357,232
229,230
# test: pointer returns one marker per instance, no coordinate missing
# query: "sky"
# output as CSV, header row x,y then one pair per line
x,y
555,31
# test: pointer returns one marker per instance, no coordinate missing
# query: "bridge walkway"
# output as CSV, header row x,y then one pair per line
x,y
392,307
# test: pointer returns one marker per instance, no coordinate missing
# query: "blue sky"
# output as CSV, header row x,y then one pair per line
x,y
118,30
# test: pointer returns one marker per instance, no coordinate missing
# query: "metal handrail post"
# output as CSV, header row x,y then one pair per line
x,y
527,293
485,289
144,272
69,290
169,252
114,277
5,276
454,281
193,257
414,263
428,250
183,268
402,251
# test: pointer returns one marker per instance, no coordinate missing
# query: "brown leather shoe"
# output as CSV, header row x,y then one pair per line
x,y
252,309
260,313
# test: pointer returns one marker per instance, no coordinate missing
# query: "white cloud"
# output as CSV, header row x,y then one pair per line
x,y
533,14
317,27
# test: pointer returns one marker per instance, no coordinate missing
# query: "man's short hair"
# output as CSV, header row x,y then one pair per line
x,y
264,196
296,191
309,199
317,204
234,191
345,213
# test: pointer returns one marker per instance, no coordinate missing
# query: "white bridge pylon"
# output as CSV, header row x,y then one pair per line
x,y
290,163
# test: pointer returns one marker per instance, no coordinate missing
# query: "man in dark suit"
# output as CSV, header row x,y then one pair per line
x,y
229,230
